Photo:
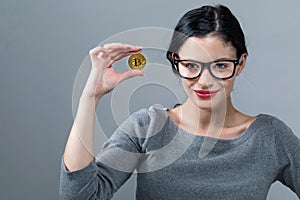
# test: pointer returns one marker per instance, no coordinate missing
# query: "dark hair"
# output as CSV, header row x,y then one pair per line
x,y
208,20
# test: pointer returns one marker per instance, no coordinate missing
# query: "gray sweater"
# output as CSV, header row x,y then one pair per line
x,y
173,164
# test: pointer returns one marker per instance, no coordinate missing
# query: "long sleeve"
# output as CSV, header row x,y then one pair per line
x,y
98,180
288,157
113,166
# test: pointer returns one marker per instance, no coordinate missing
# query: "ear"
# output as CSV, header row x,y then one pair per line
x,y
174,56
242,64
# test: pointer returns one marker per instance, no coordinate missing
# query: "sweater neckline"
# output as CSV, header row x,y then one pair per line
x,y
221,143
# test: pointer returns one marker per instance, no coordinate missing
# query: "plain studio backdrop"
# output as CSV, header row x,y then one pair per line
x,y
42,46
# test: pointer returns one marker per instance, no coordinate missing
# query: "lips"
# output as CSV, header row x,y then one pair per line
x,y
205,94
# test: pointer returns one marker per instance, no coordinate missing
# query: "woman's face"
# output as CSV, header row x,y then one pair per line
x,y
208,49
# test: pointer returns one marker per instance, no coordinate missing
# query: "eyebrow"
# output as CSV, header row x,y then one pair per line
x,y
224,58
219,59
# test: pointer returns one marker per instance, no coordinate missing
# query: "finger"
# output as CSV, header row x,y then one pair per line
x,y
112,45
120,47
115,54
130,74
124,54
113,51
95,51
123,48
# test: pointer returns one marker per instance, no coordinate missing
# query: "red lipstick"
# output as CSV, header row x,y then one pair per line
x,y
205,94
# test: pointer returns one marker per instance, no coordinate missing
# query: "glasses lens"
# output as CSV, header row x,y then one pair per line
x,y
189,69
222,69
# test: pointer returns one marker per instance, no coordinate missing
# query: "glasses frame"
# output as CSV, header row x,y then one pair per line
x,y
205,65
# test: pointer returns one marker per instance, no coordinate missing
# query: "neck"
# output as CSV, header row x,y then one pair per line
x,y
207,119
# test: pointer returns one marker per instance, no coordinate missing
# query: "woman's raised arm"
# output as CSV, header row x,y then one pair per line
x,y
79,150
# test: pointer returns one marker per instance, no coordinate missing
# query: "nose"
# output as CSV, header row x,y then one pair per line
x,y
206,80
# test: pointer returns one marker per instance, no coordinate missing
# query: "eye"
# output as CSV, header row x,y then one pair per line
x,y
221,66
190,65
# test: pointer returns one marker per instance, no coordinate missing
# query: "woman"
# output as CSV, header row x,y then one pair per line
x,y
247,155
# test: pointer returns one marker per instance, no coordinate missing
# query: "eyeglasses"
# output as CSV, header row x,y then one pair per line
x,y
220,69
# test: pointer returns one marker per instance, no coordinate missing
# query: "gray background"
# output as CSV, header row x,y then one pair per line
x,y
43,43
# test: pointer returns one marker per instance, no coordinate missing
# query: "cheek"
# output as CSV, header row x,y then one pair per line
x,y
186,84
227,86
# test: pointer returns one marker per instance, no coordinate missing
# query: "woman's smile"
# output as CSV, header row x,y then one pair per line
x,y
206,94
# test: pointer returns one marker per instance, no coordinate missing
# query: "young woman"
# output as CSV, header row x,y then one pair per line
x,y
248,154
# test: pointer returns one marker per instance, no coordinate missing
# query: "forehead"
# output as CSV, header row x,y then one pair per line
x,y
206,49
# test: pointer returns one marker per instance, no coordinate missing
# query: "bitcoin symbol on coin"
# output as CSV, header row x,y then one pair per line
x,y
137,61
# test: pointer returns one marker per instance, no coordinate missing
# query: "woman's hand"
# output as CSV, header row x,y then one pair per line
x,y
103,78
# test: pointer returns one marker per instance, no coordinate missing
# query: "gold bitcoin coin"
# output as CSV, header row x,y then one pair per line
x,y
137,61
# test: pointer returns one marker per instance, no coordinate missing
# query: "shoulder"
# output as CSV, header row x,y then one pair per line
x,y
282,133
286,142
149,113
271,122
145,122
147,116
275,125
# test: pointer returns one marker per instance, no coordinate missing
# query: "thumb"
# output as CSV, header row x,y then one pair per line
x,y
130,74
